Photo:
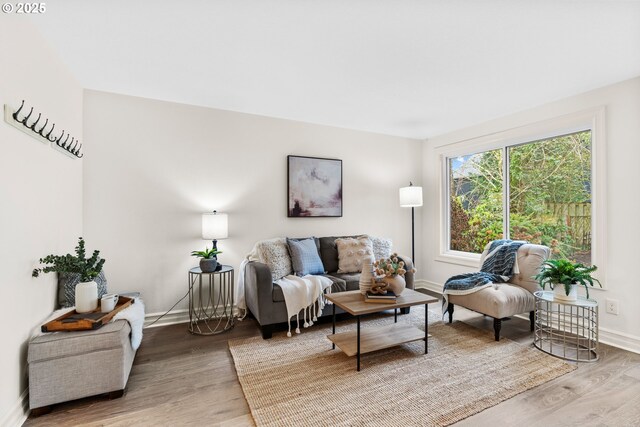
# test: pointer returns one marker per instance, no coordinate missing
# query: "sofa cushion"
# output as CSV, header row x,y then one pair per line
x,y
503,301
315,240
339,285
351,251
305,258
275,254
329,252
352,280
381,247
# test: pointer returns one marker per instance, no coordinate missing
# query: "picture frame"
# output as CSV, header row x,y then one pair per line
x,y
314,187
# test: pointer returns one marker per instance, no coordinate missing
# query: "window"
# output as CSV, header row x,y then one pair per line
x,y
539,191
475,200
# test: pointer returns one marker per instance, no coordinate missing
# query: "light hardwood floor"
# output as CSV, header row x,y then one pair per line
x,y
181,379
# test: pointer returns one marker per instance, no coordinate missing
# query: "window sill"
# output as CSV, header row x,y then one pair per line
x,y
460,258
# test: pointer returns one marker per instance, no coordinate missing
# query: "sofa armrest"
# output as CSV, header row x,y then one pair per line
x,y
258,288
408,265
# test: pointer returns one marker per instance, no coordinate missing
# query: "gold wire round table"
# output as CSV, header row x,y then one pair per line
x,y
566,329
211,301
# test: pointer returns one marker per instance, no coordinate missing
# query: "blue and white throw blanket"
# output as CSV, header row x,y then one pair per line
x,y
499,266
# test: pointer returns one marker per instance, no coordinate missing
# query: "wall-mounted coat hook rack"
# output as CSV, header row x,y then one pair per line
x,y
71,149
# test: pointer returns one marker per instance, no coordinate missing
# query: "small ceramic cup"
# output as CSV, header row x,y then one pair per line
x,y
108,302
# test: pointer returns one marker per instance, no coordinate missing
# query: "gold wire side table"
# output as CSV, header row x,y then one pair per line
x,y
211,301
566,329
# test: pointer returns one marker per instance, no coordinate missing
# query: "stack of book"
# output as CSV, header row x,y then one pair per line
x,y
388,298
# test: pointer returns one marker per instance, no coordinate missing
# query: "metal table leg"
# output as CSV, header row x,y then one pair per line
x,y
426,329
358,317
395,315
333,347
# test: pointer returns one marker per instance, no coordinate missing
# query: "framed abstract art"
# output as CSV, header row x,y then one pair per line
x,y
314,187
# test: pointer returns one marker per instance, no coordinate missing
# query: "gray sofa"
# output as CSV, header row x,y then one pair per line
x,y
265,299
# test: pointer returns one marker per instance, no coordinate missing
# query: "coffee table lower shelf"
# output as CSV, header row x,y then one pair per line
x,y
372,339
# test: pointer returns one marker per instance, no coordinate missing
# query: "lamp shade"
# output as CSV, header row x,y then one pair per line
x,y
410,196
215,226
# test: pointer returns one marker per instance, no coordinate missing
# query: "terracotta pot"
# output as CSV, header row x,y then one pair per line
x,y
396,283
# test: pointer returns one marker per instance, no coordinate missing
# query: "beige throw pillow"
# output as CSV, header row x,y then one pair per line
x,y
275,254
350,253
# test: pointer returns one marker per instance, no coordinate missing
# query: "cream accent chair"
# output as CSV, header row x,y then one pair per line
x,y
507,299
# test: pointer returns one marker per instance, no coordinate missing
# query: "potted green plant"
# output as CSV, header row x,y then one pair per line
x,y
86,292
208,259
556,272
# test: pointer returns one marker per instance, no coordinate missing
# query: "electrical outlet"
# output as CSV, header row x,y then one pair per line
x,y
612,306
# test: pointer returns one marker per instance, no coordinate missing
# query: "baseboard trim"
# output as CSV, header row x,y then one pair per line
x,y
425,284
19,412
171,318
620,339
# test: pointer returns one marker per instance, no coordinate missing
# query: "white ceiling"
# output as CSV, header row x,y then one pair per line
x,y
402,67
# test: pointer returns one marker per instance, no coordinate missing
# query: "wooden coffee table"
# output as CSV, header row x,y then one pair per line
x,y
355,343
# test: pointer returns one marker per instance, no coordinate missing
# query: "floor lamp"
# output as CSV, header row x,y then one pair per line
x,y
411,197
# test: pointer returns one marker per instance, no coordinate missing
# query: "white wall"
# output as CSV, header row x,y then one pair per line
x,y
40,196
153,167
622,122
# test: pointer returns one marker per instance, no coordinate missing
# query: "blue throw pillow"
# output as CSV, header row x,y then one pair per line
x,y
304,256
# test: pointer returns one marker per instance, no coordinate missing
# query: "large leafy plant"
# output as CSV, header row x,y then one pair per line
x,y
87,268
207,253
563,272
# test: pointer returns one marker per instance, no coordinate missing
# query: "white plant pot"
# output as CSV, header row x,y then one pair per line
x,y
560,293
86,297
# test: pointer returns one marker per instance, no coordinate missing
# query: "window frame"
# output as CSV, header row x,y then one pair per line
x,y
592,120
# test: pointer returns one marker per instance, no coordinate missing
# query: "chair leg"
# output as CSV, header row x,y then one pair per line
x,y
450,311
267,331
497,325
532,320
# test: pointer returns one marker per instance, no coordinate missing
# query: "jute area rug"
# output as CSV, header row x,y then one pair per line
x,y
301,381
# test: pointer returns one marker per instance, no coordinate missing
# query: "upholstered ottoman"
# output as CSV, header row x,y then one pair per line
x,y
70,365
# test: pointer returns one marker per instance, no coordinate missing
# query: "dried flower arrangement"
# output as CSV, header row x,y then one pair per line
x,y
391,266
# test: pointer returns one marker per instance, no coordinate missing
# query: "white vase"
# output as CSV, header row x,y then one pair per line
x,y
86,297
560,293
366,275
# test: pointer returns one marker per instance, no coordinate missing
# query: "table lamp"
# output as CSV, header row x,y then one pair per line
x,y
215,226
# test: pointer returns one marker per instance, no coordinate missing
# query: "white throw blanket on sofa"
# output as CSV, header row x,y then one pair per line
x,y
304,293
299,293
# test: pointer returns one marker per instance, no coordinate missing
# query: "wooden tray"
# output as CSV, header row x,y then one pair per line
x,y
74,321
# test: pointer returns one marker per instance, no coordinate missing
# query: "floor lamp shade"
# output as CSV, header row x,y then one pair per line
x,y
410,196
215,226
